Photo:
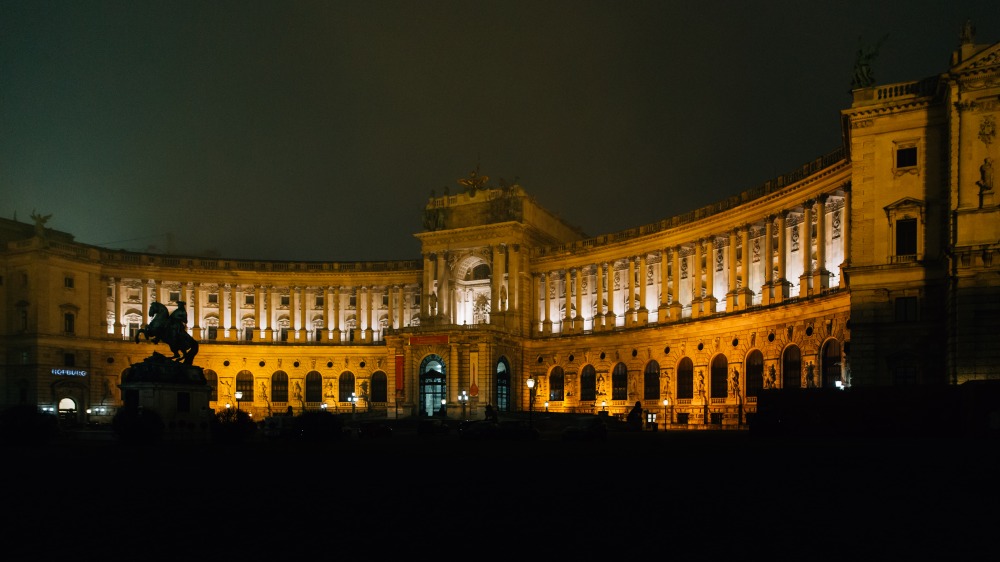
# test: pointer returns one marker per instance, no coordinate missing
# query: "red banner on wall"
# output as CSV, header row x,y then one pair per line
x,y
428,340
399,372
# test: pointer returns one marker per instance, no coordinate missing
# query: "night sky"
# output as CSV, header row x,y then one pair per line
x,y
317,130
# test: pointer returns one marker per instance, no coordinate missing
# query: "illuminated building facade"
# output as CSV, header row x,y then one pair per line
x,y
871,266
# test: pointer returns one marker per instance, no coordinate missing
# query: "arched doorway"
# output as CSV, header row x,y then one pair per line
x,y
67,411
830,368
433,387
791,368
503,385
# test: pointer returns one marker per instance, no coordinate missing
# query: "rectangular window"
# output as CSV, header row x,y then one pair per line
x,y
248,334
213,298
248,300
285,300
906,157
352,302
111,292
906,237
213,333
174,296
385,301
69,323
68,282
284,334
69,360
133,327
906,309
319,301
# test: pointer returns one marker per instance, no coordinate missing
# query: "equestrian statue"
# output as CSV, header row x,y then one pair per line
x,y
170,328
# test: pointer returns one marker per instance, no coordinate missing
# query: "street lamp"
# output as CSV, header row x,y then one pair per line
x,y
239,396
444,411
531,397
604,405
666,421
463,398
354,404
546,406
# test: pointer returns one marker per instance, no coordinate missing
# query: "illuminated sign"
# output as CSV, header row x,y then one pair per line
x,y
69,372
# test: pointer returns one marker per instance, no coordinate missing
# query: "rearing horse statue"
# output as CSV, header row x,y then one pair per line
x,y
169,327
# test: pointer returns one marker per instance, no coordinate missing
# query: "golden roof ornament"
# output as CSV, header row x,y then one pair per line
x,y
474,181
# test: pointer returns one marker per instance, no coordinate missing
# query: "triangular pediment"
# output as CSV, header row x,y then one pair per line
x,y
986,57
903,203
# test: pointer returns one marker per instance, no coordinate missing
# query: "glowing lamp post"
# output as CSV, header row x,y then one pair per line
x,y
239,396
463,398
531,397
354,404
666,420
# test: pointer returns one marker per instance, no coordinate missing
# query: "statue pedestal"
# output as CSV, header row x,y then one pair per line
x,y
177,393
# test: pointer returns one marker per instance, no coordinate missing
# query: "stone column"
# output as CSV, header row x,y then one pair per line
x,y
234,323
781,284
369,314
119,325
599,309
676,310
806,248
821,275
402,307
263,326
578,320
442,287
709,302
336,333
427,289
547,322
496,278
746,294
696,297
733,299
766,290
513,277
610,320
567,320
390,320
643,312
845,233
196,310
630,312
663,308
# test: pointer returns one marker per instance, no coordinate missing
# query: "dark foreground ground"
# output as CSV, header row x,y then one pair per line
x,y
702,495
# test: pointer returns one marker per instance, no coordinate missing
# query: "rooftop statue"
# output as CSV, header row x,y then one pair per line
x,y
863,76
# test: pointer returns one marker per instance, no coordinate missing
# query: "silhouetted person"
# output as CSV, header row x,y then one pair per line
x,y
635,417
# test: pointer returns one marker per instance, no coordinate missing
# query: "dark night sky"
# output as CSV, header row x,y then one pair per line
x,y
317,130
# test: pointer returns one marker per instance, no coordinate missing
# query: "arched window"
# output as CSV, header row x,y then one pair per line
x,y
791,368
619,382
279,386
719,377
588,383
831,364
754,372
556,382
212,378
503,385
346,387
244,383
685,379
380,387
651,381
314,387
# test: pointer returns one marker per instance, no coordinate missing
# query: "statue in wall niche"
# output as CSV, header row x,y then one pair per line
x,y
810,375
985,182
771,379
